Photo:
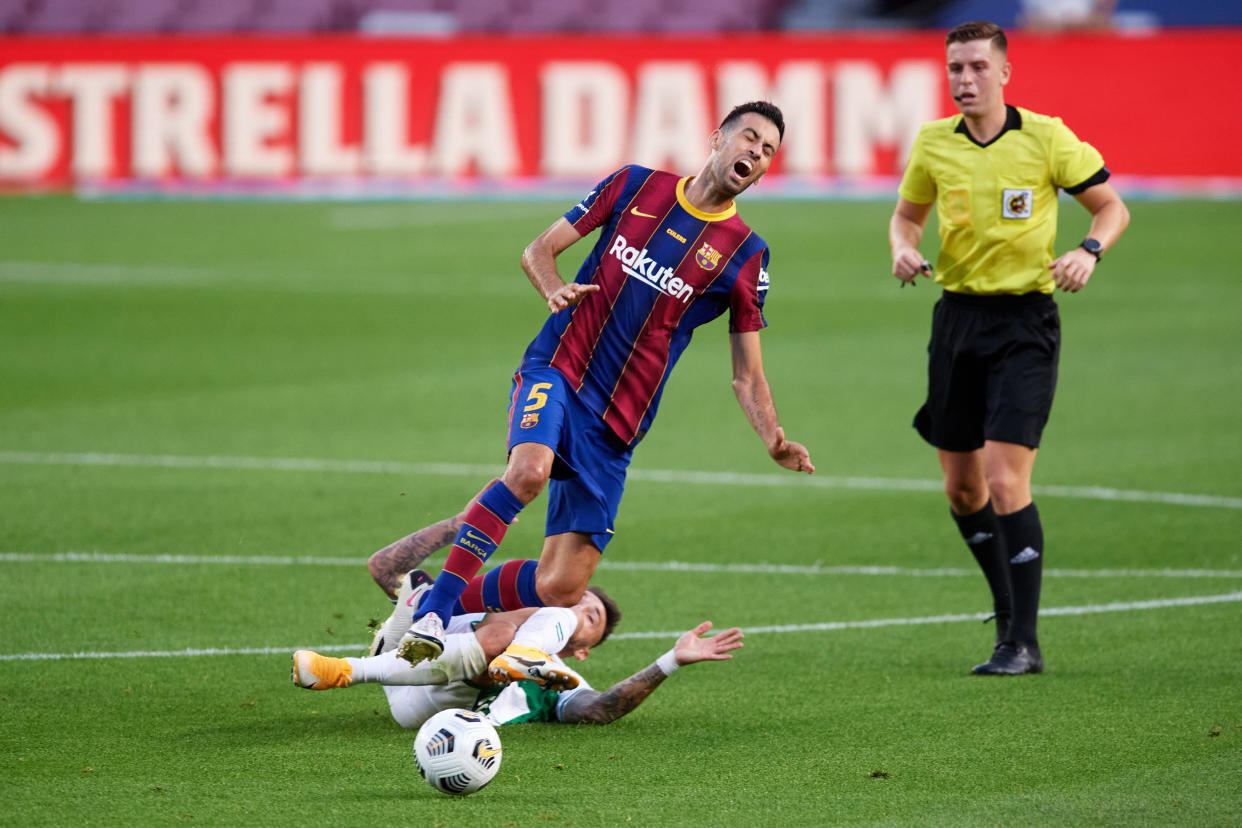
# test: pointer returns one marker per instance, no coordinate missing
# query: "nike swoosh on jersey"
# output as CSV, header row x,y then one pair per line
x,y
639,212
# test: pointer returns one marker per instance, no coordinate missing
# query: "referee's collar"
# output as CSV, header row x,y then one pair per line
x,y
1013,120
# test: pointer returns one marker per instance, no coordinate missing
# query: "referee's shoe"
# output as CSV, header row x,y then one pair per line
x,y
1012,659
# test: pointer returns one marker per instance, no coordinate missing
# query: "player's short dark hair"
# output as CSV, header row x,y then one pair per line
x,y
978,30
767,109
612,613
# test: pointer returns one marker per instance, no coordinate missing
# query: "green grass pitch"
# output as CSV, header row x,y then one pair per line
x,y
198,400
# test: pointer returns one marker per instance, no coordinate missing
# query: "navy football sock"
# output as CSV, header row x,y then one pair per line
x,y
509,586
481,532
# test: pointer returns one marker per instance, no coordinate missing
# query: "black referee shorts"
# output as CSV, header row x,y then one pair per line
x,y
992,370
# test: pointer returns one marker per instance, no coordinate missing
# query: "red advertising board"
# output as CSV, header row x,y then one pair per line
x,y
353,108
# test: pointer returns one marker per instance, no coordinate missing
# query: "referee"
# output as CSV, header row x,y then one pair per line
x,y
992,173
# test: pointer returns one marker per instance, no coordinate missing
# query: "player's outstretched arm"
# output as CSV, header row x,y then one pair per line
x,y
755,396
594,707
539,262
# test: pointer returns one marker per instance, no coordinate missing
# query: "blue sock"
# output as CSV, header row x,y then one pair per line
x,y
485,593
480,534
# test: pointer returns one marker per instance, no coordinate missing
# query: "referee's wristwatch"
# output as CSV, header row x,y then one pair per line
x,y
1093,247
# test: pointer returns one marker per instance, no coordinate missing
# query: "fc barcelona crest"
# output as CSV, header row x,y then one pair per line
x,y
529,420
708,257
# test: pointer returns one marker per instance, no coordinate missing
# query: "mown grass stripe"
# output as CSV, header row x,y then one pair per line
x,y
677,476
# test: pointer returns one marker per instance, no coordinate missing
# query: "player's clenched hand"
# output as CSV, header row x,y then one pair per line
x,y
569,295
1072,270
691,648
791,455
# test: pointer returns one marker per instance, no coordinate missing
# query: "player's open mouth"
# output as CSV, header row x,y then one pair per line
x,y
743,167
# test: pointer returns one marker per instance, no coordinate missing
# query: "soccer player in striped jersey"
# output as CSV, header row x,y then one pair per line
x,y
672,254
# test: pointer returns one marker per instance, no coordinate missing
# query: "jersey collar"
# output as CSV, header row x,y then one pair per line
x,y
726,213
1013,120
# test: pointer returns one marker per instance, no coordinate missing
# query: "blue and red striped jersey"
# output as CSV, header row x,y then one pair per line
x,y
664,268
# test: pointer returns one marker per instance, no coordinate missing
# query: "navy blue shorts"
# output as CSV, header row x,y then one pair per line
x,y
992,370
588,474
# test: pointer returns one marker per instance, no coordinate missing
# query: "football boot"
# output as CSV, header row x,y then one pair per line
x,y
422,641
1012,659
315,672
518,663
413,584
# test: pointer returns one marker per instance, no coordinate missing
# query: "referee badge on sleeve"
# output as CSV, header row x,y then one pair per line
x,y
1016,204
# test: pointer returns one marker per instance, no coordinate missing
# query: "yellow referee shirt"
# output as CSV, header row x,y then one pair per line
x,y
997,203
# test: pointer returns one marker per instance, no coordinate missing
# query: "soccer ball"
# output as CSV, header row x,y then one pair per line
x,y
457,751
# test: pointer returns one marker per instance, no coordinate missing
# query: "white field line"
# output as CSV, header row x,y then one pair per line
x,y
676,476
75,273
826,626
618,566
175,276
1089,609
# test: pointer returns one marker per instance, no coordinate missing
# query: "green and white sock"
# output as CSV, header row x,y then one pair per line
x,y
463,658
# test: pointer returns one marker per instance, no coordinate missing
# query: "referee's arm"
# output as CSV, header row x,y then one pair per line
x,y
905,231
1109,218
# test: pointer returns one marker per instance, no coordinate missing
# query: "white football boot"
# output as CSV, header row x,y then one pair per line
x,y
413,584
423,641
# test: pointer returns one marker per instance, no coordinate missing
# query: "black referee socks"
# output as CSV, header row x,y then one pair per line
x,y
1024,546
983,534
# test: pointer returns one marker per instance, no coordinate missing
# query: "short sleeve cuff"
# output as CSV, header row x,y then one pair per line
x,y
1099,178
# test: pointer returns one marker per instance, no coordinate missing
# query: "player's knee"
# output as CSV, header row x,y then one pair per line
x,y
527,477
557,593
494,637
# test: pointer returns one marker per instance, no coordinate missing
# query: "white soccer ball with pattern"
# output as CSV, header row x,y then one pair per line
x,y
457,751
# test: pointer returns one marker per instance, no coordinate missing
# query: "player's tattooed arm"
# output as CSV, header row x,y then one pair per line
x,y
758,407
594,707
390,563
